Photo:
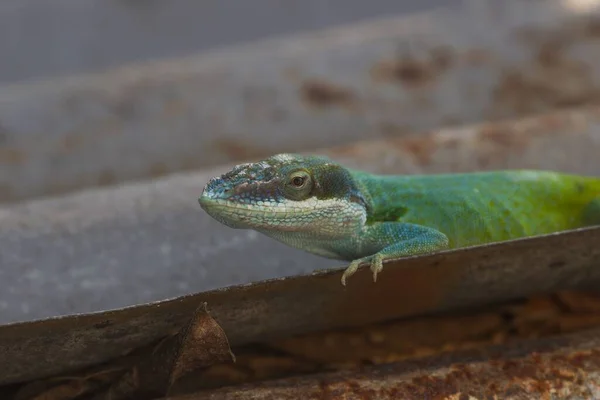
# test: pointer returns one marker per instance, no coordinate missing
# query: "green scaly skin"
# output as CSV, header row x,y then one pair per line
x,y
317,205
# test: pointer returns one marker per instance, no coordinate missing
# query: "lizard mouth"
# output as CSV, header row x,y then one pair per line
x,y
304,216
226,212
239,215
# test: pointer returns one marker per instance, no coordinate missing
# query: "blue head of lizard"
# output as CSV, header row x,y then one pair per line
x,y
287,193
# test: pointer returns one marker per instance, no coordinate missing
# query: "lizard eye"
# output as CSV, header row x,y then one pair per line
x,y
298,181
299,185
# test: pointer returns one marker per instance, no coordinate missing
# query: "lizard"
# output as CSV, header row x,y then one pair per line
x,y
314,204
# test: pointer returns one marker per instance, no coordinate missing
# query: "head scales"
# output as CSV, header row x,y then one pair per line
x,y
262,196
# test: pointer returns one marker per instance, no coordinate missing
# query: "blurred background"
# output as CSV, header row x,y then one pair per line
x,y
114,114
40,39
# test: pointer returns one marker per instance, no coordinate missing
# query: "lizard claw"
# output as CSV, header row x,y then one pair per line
x,y
351,270
376,266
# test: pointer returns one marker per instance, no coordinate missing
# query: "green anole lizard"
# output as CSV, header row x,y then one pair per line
x,y
314,204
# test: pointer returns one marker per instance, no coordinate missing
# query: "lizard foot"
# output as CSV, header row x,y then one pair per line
x,y
376,262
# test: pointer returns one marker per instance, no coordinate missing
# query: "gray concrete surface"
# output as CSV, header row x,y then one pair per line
x,y
378,79
45,39
121,246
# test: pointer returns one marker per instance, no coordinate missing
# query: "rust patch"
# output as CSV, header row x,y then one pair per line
x,y
554,78
421,148
409,72
235,149
12,156
503,136
523,375
323,94
413,72
402,287
497,141
580,302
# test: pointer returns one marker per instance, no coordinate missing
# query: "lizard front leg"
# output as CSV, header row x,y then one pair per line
x,y
388,240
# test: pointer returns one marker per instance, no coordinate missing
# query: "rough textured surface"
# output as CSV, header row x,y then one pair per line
x,y
109,248
436,337
556,368
481,61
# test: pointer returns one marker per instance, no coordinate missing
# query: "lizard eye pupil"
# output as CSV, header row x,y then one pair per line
x,y
298,181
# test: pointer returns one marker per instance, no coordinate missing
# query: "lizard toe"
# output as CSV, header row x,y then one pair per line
x,y
351,270
376,266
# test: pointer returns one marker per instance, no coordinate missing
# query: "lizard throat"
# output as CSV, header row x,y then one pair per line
x,y
329,218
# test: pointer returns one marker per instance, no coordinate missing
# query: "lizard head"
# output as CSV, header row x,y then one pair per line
x,y
286,193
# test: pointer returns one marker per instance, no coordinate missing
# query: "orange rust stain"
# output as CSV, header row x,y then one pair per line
x,y
430,387
12,156
349,150
496,141
388,342
414,73
417,285
551,121
503,136
237,150
553,79
580,302
422,148
410,73
322,94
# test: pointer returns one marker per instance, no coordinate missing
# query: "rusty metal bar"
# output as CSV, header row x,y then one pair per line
x,y
566,367
481,60
288,306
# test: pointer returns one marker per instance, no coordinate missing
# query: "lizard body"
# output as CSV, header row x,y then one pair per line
x,y
317,205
